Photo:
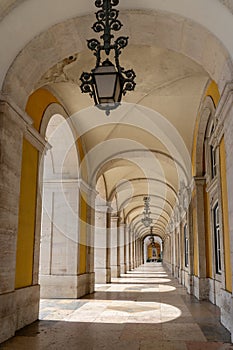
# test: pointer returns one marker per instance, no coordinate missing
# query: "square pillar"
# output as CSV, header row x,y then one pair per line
x,y
122,248
17,307
102,251
201,283
115,247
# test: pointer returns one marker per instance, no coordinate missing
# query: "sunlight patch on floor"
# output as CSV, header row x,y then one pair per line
x,y
110,311
134,288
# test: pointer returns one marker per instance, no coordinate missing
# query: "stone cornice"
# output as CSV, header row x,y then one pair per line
x,y
24,121
199,180
223,109
103,208
86,188
36,140
9,106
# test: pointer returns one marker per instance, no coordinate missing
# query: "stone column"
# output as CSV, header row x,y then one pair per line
x,y
201,286
11,137
115,257
173,250
90,280
122,248
108,245
127,248
102,266
118,247
176,253
190,252
137,253
145,252
141,251
182,249
133,251
224,127
177,235
59,239
17,307
130,249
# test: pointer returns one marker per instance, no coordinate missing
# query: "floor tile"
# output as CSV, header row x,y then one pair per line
x,y
145,309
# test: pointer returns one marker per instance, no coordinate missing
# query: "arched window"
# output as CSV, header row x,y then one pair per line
x,y
213,162
186,247
211,153
217,244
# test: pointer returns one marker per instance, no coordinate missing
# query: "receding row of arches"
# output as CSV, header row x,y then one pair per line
x,y
74,218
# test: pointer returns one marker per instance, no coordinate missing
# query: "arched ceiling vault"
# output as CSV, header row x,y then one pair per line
x,y
139,199
155,210
30,18
144,147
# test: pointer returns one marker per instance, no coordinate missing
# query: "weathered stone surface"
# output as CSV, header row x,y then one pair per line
x,y
7,316
27,305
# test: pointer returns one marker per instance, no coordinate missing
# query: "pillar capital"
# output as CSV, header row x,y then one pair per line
x,y
103,208
199,180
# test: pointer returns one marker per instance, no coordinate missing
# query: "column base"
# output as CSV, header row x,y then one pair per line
x,y
27,305
7,316
70,287
115,271
18,309
201,288
226,307
123,268
102,275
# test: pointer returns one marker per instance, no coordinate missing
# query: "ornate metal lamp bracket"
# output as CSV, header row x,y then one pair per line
x,y
107,21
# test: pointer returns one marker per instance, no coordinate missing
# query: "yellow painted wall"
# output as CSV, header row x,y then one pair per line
x,y
37,104
213,92
226,236
27,216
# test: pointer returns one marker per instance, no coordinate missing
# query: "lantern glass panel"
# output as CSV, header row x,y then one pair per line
x,y
107,84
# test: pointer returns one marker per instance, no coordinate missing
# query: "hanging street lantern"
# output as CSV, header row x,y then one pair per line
x,y
146,220
108,81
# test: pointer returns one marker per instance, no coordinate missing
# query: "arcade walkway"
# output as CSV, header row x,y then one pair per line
x,y
145,309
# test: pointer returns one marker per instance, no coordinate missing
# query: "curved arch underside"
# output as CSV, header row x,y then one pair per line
x,y
144,147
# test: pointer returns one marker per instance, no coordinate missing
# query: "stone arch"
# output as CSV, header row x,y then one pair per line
x,y
172,32
207,109
148,249
59,257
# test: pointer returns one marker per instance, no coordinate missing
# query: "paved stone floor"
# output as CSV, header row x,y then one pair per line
x,y
143,310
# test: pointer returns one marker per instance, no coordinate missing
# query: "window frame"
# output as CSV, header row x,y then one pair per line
x,y
217,239
186,246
